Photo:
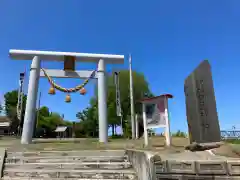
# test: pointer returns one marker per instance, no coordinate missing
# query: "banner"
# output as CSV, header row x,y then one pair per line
x,y
156,116
118,102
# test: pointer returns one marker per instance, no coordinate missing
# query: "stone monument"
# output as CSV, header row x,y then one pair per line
x,y
201,108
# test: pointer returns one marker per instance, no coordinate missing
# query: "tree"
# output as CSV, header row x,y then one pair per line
x,y
179,134
11,100
52,121
151,132
88,121
45,120
44,111
141,89
48,121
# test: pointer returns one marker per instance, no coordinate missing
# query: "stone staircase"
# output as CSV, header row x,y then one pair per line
x,y
81,165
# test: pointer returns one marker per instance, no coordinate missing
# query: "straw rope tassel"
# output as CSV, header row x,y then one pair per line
x,y
70,90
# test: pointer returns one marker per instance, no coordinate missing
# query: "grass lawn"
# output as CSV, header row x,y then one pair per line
x,y
230,148
233,141
155,143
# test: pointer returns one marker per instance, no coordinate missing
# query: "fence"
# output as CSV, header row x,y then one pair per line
x,y
232,134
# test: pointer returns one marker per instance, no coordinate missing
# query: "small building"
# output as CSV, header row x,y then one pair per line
x,y
63,131
5,124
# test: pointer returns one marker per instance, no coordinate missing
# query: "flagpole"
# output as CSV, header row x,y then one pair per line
x,y
131,98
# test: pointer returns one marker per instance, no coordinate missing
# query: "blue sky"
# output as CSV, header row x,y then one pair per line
x,y
167,40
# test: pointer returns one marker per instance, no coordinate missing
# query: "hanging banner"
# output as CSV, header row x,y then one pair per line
x,y
20,96
118,102
156,115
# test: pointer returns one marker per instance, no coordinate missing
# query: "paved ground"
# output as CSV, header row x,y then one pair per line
x,y
155,144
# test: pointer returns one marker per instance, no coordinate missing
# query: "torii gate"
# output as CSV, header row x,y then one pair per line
x,y
36,72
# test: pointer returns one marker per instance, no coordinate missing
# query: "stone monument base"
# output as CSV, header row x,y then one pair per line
x,y
203,146
185,165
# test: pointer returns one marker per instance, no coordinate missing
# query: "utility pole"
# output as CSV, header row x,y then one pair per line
x,y
131,98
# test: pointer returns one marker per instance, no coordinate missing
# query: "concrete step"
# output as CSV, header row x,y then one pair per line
x,y
35,178
70,173
59,159
59,165
69,153
82,165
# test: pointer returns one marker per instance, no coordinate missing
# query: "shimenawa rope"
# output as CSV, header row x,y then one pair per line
x,y
67,90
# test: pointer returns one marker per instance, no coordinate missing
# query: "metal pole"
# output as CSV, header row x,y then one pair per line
x,y
39,103
102,102
131,98
29,118
137,126
145,125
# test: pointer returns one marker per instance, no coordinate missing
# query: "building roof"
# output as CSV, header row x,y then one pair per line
x,y
4,124
155,97
4,119
61,129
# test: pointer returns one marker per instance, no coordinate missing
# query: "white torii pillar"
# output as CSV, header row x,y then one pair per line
x,y
35,73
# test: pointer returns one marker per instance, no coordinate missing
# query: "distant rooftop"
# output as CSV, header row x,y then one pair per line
x,y
61,129
4,119
147,99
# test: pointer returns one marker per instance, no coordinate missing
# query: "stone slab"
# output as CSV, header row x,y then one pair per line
x,y
233,167
2,160
59,159
84,165
194,177
201,109
211,167
195,163
45,178
99,153
183,167
68,173
105,165
142,162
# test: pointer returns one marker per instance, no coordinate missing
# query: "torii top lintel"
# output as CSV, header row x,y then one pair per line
x,y
59,56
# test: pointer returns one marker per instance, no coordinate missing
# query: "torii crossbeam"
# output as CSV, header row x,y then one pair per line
x,y
35,73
